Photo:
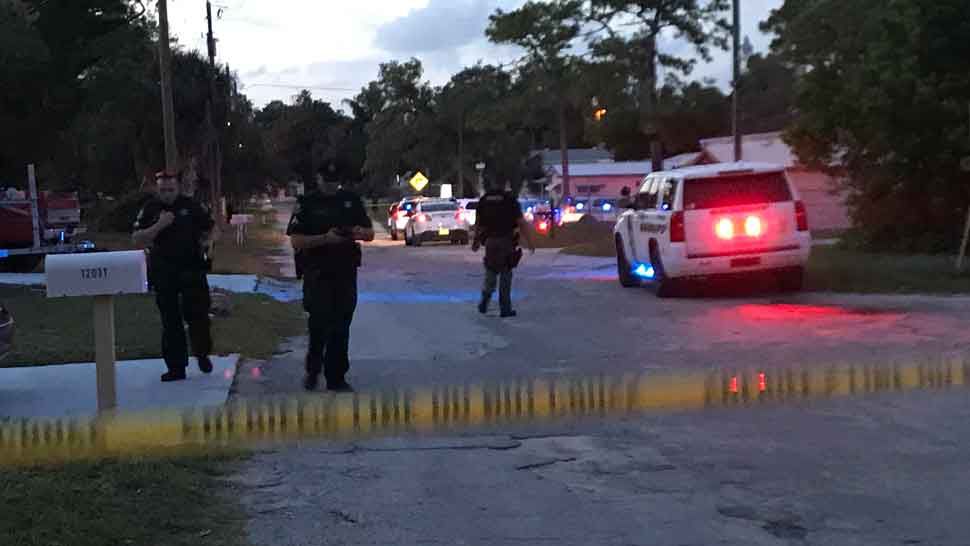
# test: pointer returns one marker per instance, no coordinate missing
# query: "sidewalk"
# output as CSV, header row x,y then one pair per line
x,y
70,390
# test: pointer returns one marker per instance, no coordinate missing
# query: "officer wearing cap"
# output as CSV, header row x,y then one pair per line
x,y
324,231
498,224
177,230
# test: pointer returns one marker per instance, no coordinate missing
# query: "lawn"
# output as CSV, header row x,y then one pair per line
x,y
834,269
59,330
264,240
139,502
578,233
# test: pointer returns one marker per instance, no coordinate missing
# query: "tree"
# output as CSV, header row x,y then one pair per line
x,y
882,100
398,104
698,22
767,88
546,31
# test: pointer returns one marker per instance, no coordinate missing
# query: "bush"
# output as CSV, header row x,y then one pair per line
x,y
121,217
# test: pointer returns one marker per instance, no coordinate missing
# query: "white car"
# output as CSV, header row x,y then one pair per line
x,y
399,215
727,219
436,220
468,208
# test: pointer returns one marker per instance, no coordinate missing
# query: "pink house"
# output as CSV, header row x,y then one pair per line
x,y
826,210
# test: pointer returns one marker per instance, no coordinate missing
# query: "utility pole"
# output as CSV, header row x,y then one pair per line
x,y
736,102
215,150
965,167
461,153
168,105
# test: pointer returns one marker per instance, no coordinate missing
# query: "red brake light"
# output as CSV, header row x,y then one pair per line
x,y
801,216
724,229
678,232
543,226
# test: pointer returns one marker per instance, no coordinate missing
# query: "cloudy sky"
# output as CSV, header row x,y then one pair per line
x,y
334,47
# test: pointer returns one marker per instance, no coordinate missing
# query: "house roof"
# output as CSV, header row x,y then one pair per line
x,y
682,160
576,155
760,147
618,168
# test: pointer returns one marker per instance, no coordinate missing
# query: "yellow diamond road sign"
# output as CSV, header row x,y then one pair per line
x,y
418,181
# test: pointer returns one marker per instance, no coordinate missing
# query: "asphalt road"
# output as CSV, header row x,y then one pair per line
x,y
869,467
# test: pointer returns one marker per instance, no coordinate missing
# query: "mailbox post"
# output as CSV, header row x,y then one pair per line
x,y
241,221
102,275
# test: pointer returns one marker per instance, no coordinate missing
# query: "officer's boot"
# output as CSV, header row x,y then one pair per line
x,y
483,303
312,378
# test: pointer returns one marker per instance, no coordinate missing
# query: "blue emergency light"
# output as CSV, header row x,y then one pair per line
x,y
644,271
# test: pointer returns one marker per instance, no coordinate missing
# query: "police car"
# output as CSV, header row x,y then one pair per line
x,y
468,210
398,216
729,219
436,220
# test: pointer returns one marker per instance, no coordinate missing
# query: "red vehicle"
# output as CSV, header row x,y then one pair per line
x,y
31,228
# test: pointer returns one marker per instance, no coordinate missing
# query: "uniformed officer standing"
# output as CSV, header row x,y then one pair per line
x,y
498,224
177,229
625,200
324,229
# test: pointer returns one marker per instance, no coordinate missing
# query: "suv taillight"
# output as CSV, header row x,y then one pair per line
x,y
801,216
678,232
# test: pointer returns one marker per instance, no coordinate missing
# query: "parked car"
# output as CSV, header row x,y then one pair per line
x,y
399,215
6,331
436,220
468,208
723,220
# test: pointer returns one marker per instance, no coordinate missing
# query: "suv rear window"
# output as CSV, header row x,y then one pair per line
x,y
471,205
438,207
734,191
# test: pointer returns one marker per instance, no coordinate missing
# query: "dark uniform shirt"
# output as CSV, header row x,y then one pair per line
x,y
498,214
317,214
178,245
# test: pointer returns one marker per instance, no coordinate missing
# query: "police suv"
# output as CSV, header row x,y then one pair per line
x,y
729,219
436,220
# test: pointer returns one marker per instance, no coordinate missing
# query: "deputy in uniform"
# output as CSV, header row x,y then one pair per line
x,y
625,200
177,230
498,225
324,230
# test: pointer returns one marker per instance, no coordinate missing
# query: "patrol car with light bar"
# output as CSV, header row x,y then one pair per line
x,y
723,220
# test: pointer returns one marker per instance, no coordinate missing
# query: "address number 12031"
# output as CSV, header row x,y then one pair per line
x,y
94,273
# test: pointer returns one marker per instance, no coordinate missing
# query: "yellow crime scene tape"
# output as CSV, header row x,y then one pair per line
x,y
247,422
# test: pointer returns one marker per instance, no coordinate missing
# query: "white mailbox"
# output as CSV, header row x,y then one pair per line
x,y
96,274
102,275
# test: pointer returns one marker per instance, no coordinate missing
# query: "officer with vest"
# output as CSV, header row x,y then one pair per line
x,y
324,230
498,225
177,230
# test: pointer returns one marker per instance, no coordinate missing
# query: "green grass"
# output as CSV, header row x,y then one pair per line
x,y
578,233
59,330
141,502
834,269
263,240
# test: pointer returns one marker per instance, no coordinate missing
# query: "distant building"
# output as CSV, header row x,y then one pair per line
x,y
598,179
540,162
551,157
826,208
